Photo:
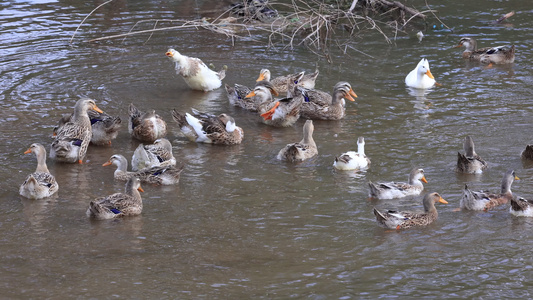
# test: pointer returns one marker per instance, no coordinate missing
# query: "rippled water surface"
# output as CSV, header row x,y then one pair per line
x,y
240,224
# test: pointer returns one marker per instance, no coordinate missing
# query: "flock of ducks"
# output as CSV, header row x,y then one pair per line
x,y
154,163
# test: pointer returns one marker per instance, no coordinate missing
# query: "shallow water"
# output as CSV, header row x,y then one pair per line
x,y
240,224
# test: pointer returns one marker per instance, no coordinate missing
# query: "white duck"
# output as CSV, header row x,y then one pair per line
x,y
420,77
352,160
196,74
391,190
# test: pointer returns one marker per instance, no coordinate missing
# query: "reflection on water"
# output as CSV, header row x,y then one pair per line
x,y
241,223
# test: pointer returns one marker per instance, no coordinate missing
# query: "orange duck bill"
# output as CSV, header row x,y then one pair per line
x,y
351,95
268,115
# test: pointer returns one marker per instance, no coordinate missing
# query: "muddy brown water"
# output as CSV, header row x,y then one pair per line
x,y
240,224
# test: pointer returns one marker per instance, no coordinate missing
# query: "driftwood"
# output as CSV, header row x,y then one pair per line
x,y
312,23
386,5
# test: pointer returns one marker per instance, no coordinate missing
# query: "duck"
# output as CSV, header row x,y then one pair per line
x,y
118,205
528,153
470,162
303,150
280,83
65,150
237,95
391,190
352,160
278,113
321,106
196,74
77,131
420,77
39,184
471,200
207,128
151,155
521,207
489,55
407,219
146,126
104,127
158,175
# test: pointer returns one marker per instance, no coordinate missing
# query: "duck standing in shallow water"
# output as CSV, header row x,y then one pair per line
x,y
406,219
470,162
196,74
420,77
104,127
118,205
484,201
352,160
152,155
207,128
488,55
39,184
146,127
73,138
391,190
159,175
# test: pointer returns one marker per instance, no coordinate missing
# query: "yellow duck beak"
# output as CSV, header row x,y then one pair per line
x,y
428,73
97,109
250,95
351,95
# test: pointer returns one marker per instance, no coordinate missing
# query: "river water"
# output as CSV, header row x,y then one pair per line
x,y
240,224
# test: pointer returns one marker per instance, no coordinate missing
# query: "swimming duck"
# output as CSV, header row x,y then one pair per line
x,y
151,155
118,205
322,106
39,184
528,152
303,150
407,219
352,160
74,135
420,77
207,128
280,113
470,162
104,127
65,150
196,74
146,127
484,201
237,95
280,83
391,190
488,55
160,175
521,207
